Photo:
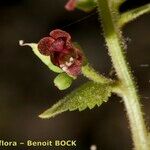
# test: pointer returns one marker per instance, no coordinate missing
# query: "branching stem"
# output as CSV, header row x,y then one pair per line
x,y
129,94
133,14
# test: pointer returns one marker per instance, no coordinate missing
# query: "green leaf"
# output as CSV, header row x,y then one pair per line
x,y
63,81
45,59
88,95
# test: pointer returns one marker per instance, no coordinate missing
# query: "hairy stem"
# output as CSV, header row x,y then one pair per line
x,y
128,89
90,73
133,14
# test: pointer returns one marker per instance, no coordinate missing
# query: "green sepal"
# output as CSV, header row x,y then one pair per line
x,y
45,59
63,81
88,95
86,5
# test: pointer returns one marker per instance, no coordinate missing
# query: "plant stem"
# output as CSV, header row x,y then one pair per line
x,y
133,14
90,73
128,89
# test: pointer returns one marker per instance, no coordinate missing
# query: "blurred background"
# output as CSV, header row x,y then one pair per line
x,y
26,85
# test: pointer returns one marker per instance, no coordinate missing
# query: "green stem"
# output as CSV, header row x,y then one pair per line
x,y
133,14
91,74
128,88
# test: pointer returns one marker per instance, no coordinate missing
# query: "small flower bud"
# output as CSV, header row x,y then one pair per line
x,y
85,5
71,5
63,81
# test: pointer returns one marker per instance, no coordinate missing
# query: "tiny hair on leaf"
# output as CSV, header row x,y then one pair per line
x,y
88,95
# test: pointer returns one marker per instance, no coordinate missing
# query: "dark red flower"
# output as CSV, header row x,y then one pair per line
x,y
71,5
62,52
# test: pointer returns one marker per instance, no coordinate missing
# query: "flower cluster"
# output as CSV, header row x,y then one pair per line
x,y
62,52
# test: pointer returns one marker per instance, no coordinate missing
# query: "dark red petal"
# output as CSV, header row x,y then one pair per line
x,y
64,57
44,45
71,5
60,34
58,45
75,69
55,58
